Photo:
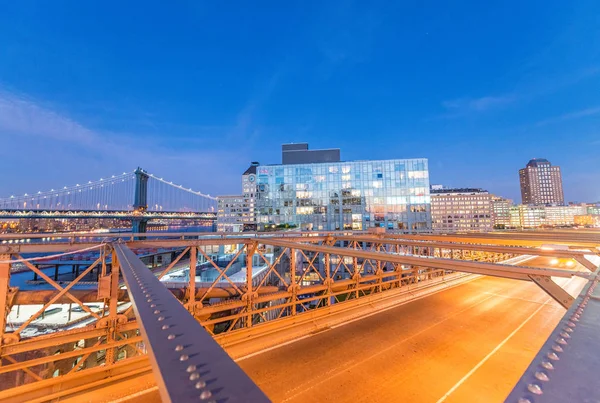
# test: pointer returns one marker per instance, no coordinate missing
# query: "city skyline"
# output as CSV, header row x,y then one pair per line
x,y
185,100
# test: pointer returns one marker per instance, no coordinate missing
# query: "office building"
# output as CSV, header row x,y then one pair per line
x,y
541,183
529,216
229,213
320,192
237,213
500,212
563,215
461,210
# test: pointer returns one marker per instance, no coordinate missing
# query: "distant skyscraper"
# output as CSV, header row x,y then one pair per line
x,y
541,183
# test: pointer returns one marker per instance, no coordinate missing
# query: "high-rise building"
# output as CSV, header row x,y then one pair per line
x,y
541,183
237,213
249,196
323,193
454,210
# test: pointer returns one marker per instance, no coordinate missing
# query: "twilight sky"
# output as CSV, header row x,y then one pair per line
x,y
193,91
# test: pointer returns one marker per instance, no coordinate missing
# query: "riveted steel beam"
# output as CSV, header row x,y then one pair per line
x,y
187,363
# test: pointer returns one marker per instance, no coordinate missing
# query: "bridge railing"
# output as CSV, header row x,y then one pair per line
x,y
308,275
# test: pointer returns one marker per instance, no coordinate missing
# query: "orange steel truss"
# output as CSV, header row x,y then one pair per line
x,y
267,281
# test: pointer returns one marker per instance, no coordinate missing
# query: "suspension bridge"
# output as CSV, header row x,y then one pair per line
x,y
136,196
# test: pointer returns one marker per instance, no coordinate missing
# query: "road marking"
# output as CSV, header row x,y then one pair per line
x,y
495,350
487,357
337,371
245,357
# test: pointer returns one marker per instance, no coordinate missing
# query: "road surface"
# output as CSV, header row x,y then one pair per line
x,y
470,343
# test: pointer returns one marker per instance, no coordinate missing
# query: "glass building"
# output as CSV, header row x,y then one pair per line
x,y
356,195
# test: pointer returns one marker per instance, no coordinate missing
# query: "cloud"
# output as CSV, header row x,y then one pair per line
x,y
20,115
59,150
571,116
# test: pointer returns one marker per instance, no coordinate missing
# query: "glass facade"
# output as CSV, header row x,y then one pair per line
x,y
356,195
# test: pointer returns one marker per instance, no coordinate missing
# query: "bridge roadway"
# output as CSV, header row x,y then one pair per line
x,y
419,351
468,343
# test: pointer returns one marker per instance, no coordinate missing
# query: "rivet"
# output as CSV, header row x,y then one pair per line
x,y
149,300
165,327
183,357
200,384
161,318
571,324
560,340
191,368
568,330
156,311
541,376
171,336
178,347
552,355
205,395
557,348
547,365
153,306
194,376
524,400
565,335
534,388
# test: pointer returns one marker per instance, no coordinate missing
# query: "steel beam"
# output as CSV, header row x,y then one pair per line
x,y
554,290
188,364
522,239
36,297
586,263
490,269
4,292
469,246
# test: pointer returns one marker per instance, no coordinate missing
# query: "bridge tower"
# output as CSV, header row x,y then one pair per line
x,y
140,200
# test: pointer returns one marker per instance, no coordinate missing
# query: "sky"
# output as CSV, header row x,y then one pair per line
x,y
193,91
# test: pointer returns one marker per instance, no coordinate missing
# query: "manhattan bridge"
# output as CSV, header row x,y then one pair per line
x,y
136,196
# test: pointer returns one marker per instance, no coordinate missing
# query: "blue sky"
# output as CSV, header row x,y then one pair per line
x,y
193,91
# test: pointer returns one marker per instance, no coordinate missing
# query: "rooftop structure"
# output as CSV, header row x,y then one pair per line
x,y
298,153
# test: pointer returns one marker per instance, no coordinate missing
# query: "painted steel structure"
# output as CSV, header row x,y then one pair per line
x,y
311,275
